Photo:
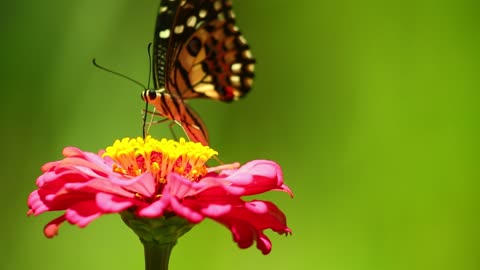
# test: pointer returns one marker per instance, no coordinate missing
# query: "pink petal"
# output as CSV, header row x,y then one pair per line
x,y
51,229
83,213
189,213
243,235
84,186
155,209
264,244
256,177
216,210
111,203
219,197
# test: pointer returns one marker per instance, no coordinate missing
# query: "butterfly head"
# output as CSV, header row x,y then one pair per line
x,y
150,95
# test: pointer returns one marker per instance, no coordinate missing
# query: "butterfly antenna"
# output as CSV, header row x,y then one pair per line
x,y
149,63
94,61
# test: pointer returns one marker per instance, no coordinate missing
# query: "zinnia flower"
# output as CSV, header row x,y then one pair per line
x,y
150,179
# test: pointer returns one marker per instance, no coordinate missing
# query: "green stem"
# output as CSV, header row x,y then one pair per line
x,y
158,236
157,255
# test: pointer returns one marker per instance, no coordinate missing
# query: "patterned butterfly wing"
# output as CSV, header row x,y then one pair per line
x,y
198,52
165,18
206,55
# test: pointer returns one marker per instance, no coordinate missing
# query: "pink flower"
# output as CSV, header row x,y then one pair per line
x,y
153,178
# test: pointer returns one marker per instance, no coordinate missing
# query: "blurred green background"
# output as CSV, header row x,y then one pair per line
x,y
371,108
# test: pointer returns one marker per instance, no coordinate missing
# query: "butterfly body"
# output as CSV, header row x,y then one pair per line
x,y
177,110
198,53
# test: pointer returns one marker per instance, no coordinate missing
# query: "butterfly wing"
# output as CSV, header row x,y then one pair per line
x,y
162,38
202,53
198,52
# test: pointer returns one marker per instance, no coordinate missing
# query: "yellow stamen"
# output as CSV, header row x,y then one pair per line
x,y
136,156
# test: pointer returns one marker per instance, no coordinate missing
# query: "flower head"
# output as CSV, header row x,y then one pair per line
x,y
152,179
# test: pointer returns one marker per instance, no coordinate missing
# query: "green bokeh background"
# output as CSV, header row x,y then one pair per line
x,y
371,108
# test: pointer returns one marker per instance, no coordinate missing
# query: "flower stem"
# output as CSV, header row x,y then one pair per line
x,y
157,255
158,236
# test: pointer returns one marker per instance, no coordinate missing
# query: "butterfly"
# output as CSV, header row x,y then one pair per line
x,y
198,52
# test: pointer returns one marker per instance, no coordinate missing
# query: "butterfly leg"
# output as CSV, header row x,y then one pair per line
x,y
170,126
146,127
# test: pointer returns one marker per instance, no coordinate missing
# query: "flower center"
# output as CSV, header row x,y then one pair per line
x,y
135,156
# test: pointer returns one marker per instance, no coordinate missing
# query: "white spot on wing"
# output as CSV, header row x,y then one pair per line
x,y
235,80
247,54
242,40
202,13
236,67
164,34
178,29
191,21
204,88
163,9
